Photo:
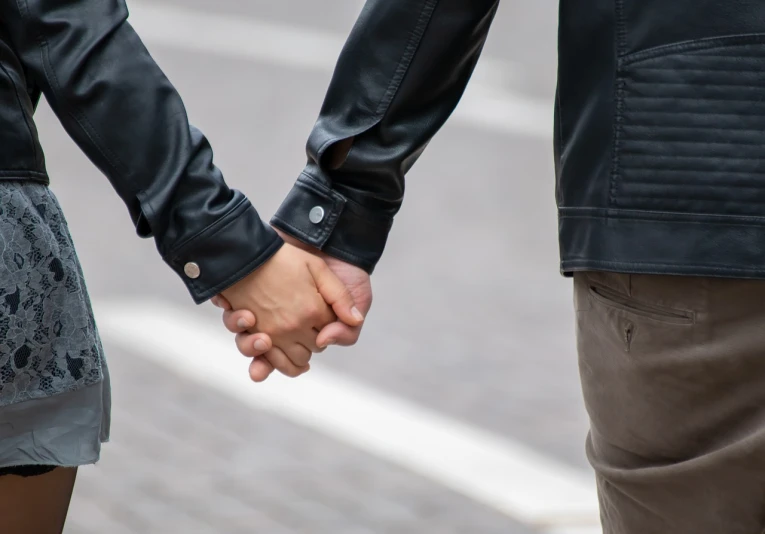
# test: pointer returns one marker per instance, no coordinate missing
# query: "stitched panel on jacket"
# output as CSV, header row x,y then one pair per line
x,y
691,131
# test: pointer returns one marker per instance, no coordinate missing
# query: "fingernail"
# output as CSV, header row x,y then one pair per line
x,y
243,323
260,345
357,314
329,342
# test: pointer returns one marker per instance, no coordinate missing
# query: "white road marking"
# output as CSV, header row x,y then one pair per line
x,y
576,530
486,104
486,468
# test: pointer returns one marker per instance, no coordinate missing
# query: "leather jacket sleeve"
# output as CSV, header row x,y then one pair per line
x,y
400,75
118,106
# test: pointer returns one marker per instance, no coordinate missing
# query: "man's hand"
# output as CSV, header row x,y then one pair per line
x,y
357,282
359,285
293,295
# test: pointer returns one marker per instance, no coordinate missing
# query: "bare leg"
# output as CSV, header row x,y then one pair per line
x,y
36,505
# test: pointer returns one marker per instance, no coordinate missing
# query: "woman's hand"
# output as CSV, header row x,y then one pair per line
x,y
255,346
294,295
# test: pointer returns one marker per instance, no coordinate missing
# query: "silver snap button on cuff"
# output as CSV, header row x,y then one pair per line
x,y
192,270
316,215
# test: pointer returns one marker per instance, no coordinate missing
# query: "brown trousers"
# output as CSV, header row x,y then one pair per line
x,y
673,375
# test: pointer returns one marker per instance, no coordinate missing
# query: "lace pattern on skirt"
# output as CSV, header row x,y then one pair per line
x,y
48,338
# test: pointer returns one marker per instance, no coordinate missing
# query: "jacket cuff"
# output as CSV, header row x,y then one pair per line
x,y
319,216
225,252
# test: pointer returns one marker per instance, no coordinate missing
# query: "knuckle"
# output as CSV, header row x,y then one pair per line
x,y
289,325
314,310
299,361
300,358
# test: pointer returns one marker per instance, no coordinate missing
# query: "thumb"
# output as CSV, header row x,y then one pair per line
x,y
334,293
338,333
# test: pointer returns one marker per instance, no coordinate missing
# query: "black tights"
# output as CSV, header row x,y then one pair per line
x,y
27,470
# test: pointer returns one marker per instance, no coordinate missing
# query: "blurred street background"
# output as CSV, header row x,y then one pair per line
x,y
458,412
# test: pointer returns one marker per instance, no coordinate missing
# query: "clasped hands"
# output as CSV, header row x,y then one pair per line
x,y
296,304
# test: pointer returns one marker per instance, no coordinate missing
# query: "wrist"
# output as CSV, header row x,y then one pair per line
x,y
296,242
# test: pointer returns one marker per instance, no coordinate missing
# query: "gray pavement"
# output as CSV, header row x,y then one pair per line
x,y
190,461
471,317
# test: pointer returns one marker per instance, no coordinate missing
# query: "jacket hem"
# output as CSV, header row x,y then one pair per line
x,y
663,243
24,176
569,267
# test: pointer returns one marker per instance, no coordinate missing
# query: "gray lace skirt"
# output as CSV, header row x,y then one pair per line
x,y
54,387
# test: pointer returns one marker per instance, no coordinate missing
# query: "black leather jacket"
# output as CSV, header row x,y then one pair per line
x,y
126,116
659,130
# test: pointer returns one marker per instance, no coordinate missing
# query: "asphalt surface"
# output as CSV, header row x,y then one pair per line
x,y
471,317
